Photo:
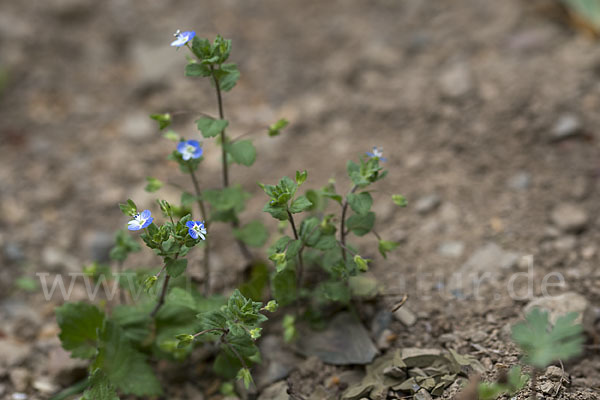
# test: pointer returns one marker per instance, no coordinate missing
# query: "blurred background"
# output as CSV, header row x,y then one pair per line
x,y
487,112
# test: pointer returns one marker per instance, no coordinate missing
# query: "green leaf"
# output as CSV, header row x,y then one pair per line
x,y
289,328
211,127
399,200
175,267
276,128
153,185
301,177
79,324
386,246
196,69
26,284
587,10
227,76
284,286
100,387
129,209
255,286
277,211
254,234
360,225
335,291
125,367
541,344
163,120
301,203
242,152
171,135
187,198
360,203
245,376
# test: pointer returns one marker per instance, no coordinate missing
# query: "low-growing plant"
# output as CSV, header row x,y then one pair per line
x,y
542,343
159,313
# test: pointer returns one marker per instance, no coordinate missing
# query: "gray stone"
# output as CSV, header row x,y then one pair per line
x,y
554,373
277,391
137,126
13,252
385,339
557,306
13,353
406,316
56,260
478,336
427,204
451,249
45,386
567,125
569,217
99,245
456,80
278,361
486,263
565,243
20,378
423,395
519,181
344,342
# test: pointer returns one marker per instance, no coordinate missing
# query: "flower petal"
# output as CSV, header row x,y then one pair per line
x,y
193,234
190,224
145,214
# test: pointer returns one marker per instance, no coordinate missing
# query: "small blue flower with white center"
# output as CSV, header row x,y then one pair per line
x,y
140,221
189,149
196,229
377,153
182,38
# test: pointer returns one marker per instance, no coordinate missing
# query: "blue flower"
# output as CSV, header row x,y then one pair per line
x,y
189,149
196,229
140,221
182,38
377,153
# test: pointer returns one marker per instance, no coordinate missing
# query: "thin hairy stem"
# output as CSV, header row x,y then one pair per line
x,y
300,262
243,248
234,351
206,260
343,224
163,293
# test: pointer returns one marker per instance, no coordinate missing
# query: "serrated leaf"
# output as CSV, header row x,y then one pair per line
x,y
277,211
543,344
360,225
300,203
175,267
153,185
99,387
197,69
242,152
125,367
275,129
228,75
386,246
210,127
399,200
254,234
79,324
360,203
163,120
284,286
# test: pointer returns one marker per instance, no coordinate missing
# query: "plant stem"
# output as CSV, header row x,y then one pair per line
x,y
122,298
161,299
234,351
300,262
534,374
223,137
206,260
343,223
243,248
